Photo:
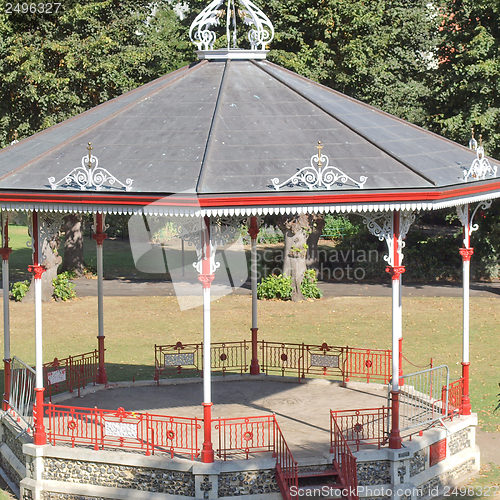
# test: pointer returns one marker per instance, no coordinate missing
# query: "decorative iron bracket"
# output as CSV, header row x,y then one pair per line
x,y
467,221
90,176
320,175
380,224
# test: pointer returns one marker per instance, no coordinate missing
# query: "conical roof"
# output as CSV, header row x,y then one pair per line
x,y
221,131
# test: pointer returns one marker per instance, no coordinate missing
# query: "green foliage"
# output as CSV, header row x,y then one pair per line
x,y
18,290
55,66
309,285
63,288
339,226
466,84
280,287
275,286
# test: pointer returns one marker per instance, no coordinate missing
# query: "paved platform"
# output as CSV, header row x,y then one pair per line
x,y
302,409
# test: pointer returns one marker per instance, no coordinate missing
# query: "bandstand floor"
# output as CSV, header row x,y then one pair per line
x,y
301,409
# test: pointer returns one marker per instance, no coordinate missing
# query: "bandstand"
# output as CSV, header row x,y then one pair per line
x,y
228,140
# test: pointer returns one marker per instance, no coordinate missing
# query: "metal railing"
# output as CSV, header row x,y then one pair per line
x,y
68,374
362,426
455,394
423,398
244,435
224,357
248,435
287,470
283,358
343,460
368,364
22,390
122,429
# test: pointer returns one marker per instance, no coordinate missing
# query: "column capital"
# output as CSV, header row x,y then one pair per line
x,y
466,253
37,271
99,237
206,279
253,228
5,252
395,271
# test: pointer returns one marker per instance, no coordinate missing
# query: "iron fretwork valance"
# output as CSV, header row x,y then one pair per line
x,y
320,175
90,177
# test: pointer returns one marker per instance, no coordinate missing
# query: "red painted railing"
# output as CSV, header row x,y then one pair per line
x,y
300,360
122,429
344,461
368,364
455,393
287,471
359,427
68,374
224,357
247,435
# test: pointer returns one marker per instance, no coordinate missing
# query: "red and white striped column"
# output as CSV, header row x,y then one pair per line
x,y
253,231
39,435
5,251
466,252
395,270
99,237
206,276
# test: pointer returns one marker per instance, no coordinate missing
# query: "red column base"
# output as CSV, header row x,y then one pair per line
x,y
207,452
254,364
102,377
6,378
39,434
395,436
466,406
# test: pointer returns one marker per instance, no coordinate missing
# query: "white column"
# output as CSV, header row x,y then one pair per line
x,y
6,309
207,389
38,334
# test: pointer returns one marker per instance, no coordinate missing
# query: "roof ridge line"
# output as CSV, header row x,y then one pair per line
x,y
186,71
374,143
210,130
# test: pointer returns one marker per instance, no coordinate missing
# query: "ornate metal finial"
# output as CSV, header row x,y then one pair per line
x,y
320,175
90,176
481,167
320,147
260,34
89,149
472,142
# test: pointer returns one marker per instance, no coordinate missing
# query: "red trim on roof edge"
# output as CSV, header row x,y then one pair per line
x,y
228,201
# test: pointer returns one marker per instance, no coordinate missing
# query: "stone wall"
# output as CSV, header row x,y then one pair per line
x,y
119,476
418,462
374,473
247,483
459,441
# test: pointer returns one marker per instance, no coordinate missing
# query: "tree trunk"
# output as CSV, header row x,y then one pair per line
x,y
317,225
49,258
296,230
73,245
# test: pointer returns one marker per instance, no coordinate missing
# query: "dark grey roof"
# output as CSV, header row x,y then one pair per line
x,y
230,127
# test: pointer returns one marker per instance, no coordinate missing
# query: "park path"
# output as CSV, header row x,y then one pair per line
x,y
142,288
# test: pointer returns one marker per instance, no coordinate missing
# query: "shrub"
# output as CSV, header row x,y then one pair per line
x,y
63,288
339,226
18,290
275,286
309,285
280,287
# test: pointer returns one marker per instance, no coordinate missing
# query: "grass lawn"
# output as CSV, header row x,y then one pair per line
x,y
133,325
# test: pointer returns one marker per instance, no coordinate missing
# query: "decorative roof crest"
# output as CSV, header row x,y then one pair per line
x,y
90,176
320,175
481,167
260,34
